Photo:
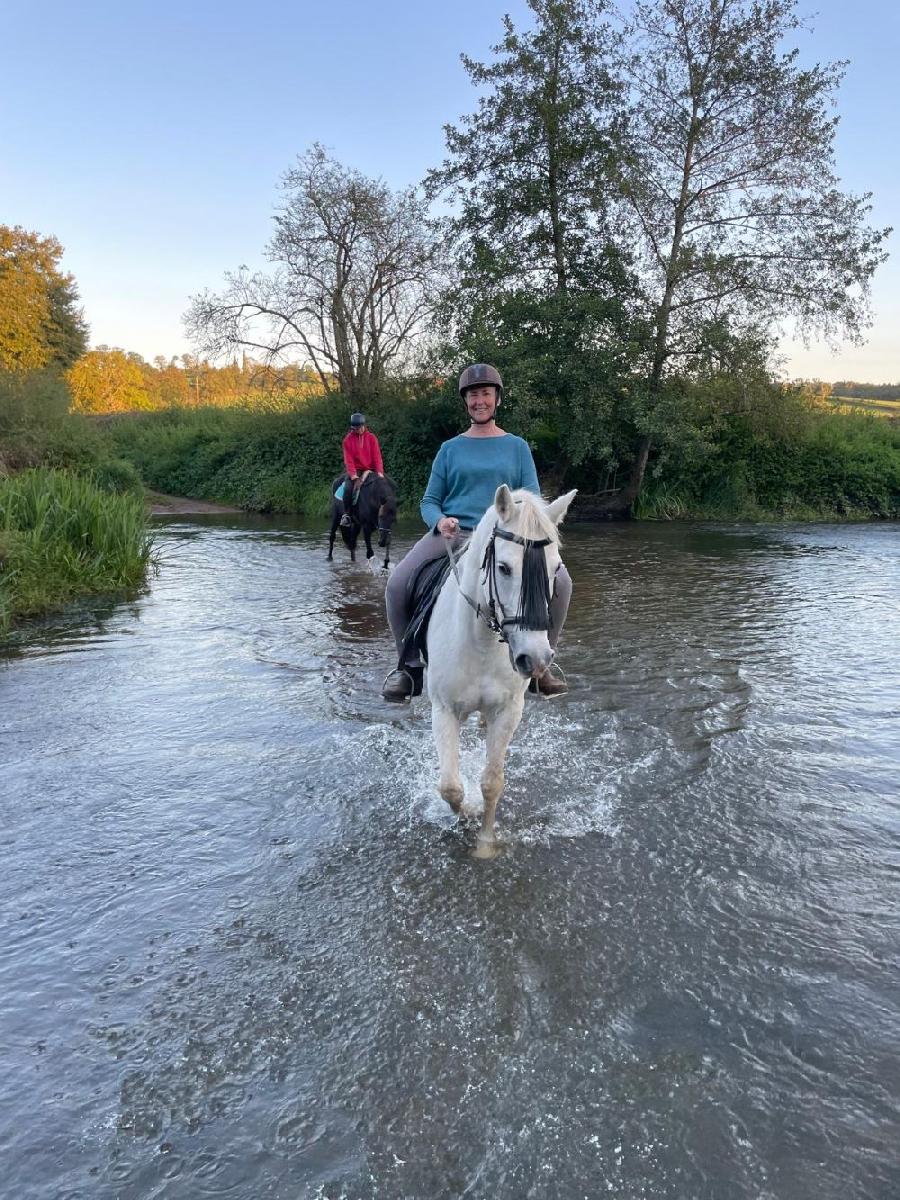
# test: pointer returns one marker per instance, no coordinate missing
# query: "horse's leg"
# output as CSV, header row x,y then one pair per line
x,y
500,729
445,726
367,534
335,518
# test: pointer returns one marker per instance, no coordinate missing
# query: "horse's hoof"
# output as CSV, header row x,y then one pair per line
x,y
485,849
455,798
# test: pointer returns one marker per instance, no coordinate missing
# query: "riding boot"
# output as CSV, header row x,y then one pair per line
x,y
548,685
348,497
403,684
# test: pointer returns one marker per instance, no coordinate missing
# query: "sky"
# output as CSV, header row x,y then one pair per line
x,y
149,138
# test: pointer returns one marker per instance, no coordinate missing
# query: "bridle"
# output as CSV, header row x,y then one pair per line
x,y
534,601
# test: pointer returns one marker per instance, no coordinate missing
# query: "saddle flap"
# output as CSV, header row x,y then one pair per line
x,y
425,589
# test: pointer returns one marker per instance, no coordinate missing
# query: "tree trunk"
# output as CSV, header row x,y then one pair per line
x,y
621,503
551,126
618,506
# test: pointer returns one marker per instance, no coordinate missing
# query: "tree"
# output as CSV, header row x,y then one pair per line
x,y
357,267
540,288
107,380
729,193
67,331
40,323
524,170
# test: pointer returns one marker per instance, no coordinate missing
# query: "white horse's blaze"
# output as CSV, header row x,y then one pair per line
x,y
469,668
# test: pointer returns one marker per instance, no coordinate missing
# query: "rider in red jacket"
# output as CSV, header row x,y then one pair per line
x,y
361,453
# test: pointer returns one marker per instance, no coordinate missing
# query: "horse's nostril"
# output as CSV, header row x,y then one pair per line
x,y
524,664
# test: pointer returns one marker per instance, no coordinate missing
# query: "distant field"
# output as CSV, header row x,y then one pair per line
x,y
882,408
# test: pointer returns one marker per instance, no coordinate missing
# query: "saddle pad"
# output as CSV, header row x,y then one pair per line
x,y
426,586
339,494
339,490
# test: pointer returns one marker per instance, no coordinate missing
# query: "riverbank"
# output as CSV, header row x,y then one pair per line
x,y
790,463
62,536
161,505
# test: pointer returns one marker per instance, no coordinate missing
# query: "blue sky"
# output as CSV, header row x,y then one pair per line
x,y
149,137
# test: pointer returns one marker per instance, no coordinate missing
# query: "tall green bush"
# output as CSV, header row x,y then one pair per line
x,y
741,448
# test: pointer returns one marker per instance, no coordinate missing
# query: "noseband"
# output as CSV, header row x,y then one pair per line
x,y
534,597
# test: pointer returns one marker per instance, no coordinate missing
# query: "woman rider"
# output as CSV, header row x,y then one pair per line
x,y
361,453
465,474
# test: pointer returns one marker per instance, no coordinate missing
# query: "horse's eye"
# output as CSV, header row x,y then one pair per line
x,y
505,569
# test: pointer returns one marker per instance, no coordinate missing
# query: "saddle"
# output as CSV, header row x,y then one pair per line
x,y
425,589
339,487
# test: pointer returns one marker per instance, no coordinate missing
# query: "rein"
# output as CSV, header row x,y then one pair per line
x,y
534,596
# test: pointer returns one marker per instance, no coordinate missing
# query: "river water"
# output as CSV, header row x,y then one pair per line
x,y
246,952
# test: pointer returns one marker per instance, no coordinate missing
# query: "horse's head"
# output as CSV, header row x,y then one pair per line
x,y
387,511
520,559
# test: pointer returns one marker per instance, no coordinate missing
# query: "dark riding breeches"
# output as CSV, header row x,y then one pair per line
x,y
347,497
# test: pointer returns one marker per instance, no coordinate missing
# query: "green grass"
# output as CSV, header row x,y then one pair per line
x,y
879,408
63,536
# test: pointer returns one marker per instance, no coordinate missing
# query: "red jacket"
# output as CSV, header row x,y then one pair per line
x,y
362,453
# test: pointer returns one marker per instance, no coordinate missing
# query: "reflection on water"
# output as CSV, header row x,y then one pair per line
x,y
247,954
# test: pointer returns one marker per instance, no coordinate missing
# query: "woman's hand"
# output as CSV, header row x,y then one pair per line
x,y
448,527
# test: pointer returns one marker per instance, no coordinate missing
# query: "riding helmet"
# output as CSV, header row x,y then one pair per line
x,y
480,375
356,420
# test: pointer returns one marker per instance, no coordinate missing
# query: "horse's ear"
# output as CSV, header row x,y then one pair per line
x,y
559,507
503,502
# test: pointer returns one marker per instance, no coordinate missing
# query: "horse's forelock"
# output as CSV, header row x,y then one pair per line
x,y
530,518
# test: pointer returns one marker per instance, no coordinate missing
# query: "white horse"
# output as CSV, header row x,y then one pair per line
x,y
488,637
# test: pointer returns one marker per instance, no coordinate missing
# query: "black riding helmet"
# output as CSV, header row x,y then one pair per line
x,y
481,375
356,420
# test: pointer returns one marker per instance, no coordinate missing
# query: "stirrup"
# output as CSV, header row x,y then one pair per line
x,y
534,688
415,675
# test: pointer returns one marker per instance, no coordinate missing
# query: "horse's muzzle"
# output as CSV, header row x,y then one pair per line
x,y
530,667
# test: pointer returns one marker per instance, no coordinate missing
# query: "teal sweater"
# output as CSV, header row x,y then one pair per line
x,y
467,472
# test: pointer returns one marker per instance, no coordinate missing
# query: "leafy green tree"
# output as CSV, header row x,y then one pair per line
x,y
540,288
525,169
67,331
729,192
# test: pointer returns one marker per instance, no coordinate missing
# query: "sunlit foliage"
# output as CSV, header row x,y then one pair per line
x,y
41,324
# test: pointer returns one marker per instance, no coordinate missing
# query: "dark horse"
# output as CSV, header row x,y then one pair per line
x,y
375,508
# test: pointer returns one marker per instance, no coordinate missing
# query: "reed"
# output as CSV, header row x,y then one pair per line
x,y
62,536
